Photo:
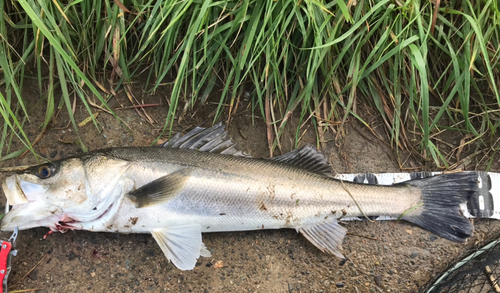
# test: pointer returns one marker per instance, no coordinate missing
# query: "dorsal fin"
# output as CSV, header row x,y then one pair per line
x,y
214,139
308,158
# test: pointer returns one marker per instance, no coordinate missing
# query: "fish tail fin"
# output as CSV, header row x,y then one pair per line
x,y
442,196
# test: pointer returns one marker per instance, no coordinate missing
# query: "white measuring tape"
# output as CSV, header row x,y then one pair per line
x,y
481,205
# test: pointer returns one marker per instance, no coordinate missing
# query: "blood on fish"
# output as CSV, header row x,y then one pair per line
x,y
48,233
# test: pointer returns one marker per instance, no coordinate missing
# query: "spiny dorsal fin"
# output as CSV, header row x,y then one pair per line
x,y
214,139
308,158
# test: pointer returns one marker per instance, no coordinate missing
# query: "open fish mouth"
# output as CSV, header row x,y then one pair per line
x,y
24,208
19,194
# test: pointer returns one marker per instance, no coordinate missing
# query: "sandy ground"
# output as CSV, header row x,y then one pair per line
x,y
386,256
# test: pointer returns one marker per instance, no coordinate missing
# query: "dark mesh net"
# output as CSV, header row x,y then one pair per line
x,y
476,271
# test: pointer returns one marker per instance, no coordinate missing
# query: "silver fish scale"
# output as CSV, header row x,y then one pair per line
x,y
228,193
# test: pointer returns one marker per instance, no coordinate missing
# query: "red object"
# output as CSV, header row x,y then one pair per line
x,y
7,251
4,264
45,237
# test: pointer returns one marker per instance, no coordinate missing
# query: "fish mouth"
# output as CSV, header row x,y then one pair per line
x,y
22,204
13,192
24,207
31,210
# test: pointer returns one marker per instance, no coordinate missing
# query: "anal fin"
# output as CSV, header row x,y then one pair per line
x,y
181,245
327,236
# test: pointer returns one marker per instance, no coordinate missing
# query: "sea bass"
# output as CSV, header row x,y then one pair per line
x,y
200,183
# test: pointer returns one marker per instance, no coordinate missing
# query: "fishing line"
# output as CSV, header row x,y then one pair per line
x,y
348,192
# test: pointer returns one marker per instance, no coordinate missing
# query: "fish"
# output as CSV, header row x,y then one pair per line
x,y
201,182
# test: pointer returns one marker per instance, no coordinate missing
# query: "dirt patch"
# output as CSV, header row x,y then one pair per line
x,y
401,259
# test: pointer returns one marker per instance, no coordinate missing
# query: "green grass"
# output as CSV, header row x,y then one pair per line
x,y
321,60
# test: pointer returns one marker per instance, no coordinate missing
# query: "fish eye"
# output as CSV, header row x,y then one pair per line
x,y
45,171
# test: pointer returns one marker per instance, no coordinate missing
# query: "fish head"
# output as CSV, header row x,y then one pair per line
x,y
61,194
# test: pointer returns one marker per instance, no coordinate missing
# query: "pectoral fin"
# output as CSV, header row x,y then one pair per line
x,y
325,236
160,190
181,245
